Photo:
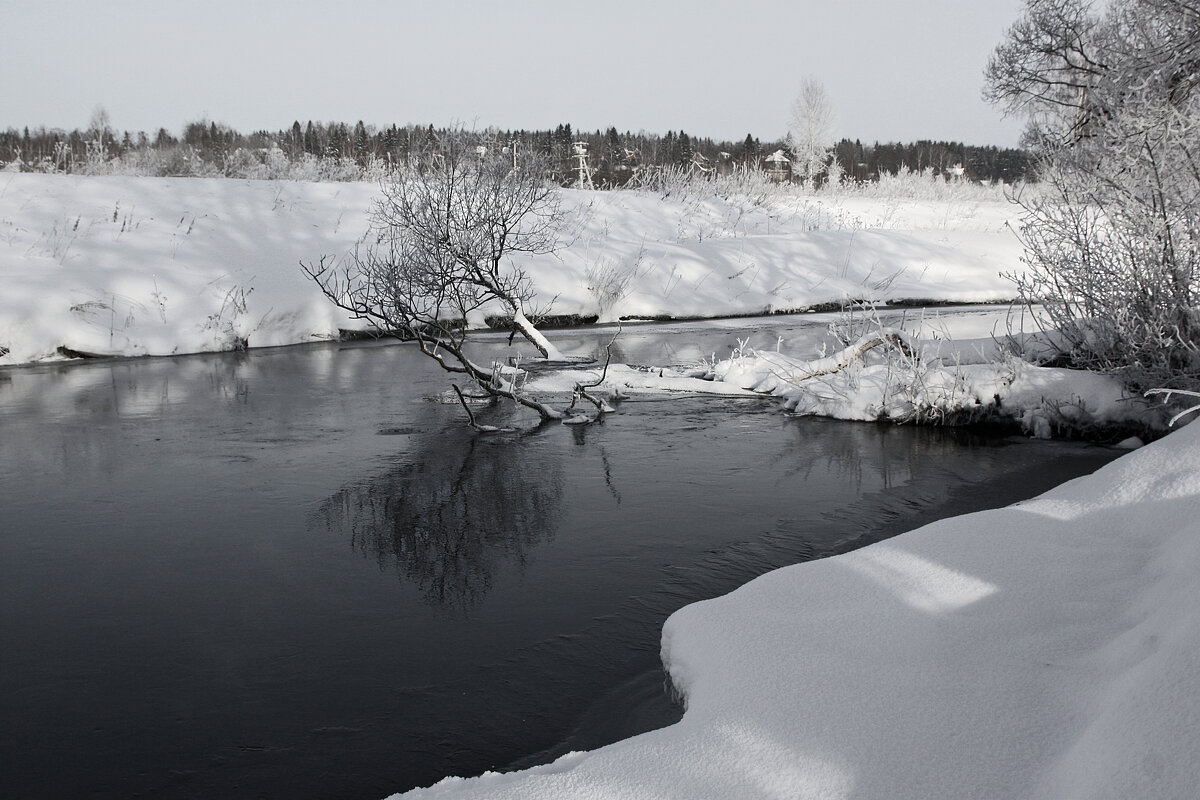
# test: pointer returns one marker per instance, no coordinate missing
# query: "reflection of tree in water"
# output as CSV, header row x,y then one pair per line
x,y
448,519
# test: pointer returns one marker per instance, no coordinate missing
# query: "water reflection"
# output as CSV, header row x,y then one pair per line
x,y
450,512
867,456
119,388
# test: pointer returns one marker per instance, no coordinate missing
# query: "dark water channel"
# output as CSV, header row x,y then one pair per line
x,y
294,573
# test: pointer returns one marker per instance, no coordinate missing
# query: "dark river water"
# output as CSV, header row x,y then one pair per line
x,y
297,573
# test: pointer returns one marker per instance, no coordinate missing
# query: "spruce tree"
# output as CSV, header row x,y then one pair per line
x,y
684,150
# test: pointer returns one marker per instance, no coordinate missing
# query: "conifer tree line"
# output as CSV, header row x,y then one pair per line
x,y
338,151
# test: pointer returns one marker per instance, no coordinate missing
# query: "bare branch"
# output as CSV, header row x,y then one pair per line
x,y
581,389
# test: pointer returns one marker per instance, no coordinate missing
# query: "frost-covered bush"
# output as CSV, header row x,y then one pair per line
x,y
669,180
1113,240
752,185
926,184
177,161
184,160
752,188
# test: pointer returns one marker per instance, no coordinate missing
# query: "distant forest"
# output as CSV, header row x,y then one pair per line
x,y
337,151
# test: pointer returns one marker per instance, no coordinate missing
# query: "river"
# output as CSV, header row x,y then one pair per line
x,y
296,572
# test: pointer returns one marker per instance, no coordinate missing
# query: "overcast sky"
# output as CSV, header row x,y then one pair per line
x,y
894,70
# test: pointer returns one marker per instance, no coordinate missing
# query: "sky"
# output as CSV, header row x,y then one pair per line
x,y
894,70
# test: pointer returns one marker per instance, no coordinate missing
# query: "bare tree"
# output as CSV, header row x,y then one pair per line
x,y
440,246
810,134
1048,64
1113,240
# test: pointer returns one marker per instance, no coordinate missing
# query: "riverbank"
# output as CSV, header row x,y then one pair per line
x,y
118,266
130,267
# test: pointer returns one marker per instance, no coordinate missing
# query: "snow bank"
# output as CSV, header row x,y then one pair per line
x,y
1045,650
144,266
156,266
954,368
887,375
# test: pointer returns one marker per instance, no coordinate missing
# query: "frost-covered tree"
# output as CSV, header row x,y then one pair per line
x,y
1113,241
440,246
810,134
100,126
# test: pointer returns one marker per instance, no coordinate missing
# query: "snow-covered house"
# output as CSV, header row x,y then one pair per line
x,y
724,163
778,167
701,164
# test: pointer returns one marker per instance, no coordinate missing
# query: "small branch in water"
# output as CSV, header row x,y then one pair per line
x,y
470,414
462,398
581,389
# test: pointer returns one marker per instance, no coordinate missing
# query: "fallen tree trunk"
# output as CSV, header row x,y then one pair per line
x,y
849,354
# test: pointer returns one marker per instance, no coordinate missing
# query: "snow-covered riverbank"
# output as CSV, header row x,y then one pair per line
x,y
159,266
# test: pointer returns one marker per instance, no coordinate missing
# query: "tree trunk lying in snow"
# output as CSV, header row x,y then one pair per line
x,y
851,353
747,372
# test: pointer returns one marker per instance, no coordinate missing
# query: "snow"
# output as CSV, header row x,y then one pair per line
x,y
884,385
159,266
139,266
1045,650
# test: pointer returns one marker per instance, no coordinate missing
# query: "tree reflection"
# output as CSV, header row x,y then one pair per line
x,y
448,519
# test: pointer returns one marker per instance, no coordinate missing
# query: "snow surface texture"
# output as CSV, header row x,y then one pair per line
x,y
159,266
1045,650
